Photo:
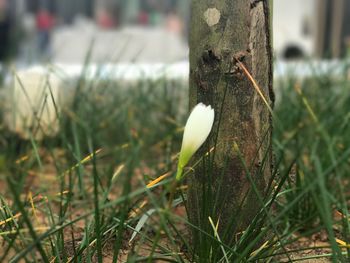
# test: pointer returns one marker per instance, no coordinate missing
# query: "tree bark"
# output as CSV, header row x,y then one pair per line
x,y
224,32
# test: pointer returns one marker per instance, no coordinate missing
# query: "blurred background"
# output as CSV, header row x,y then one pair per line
x,y
118,30
125,41
65,31
93,99
133,40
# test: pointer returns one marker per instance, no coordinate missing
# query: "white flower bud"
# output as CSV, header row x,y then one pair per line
x,y
197,129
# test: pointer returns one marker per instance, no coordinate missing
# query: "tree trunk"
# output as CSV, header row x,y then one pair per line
x,y
224,32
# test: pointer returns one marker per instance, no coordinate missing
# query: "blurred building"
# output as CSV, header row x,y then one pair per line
x,y
124,11
333,38
80,21
311,28
302,28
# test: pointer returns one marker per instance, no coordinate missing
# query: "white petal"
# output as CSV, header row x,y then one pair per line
x,y
197,129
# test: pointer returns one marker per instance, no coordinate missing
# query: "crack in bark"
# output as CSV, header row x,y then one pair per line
x,y
269,50
254,3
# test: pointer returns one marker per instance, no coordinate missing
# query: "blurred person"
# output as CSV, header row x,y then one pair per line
x,y
143,18
45,22
156,18
347,48
173,23
4,30
105,19
28,46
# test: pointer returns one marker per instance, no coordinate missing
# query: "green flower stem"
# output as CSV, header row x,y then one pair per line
x,y
179,173
173,186
172,193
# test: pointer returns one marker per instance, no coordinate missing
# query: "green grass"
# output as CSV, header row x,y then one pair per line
x,y
81,195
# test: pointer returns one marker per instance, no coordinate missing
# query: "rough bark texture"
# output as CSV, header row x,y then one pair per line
x,y
222,32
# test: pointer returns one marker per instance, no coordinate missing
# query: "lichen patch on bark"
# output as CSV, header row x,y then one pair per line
x,y
212,16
